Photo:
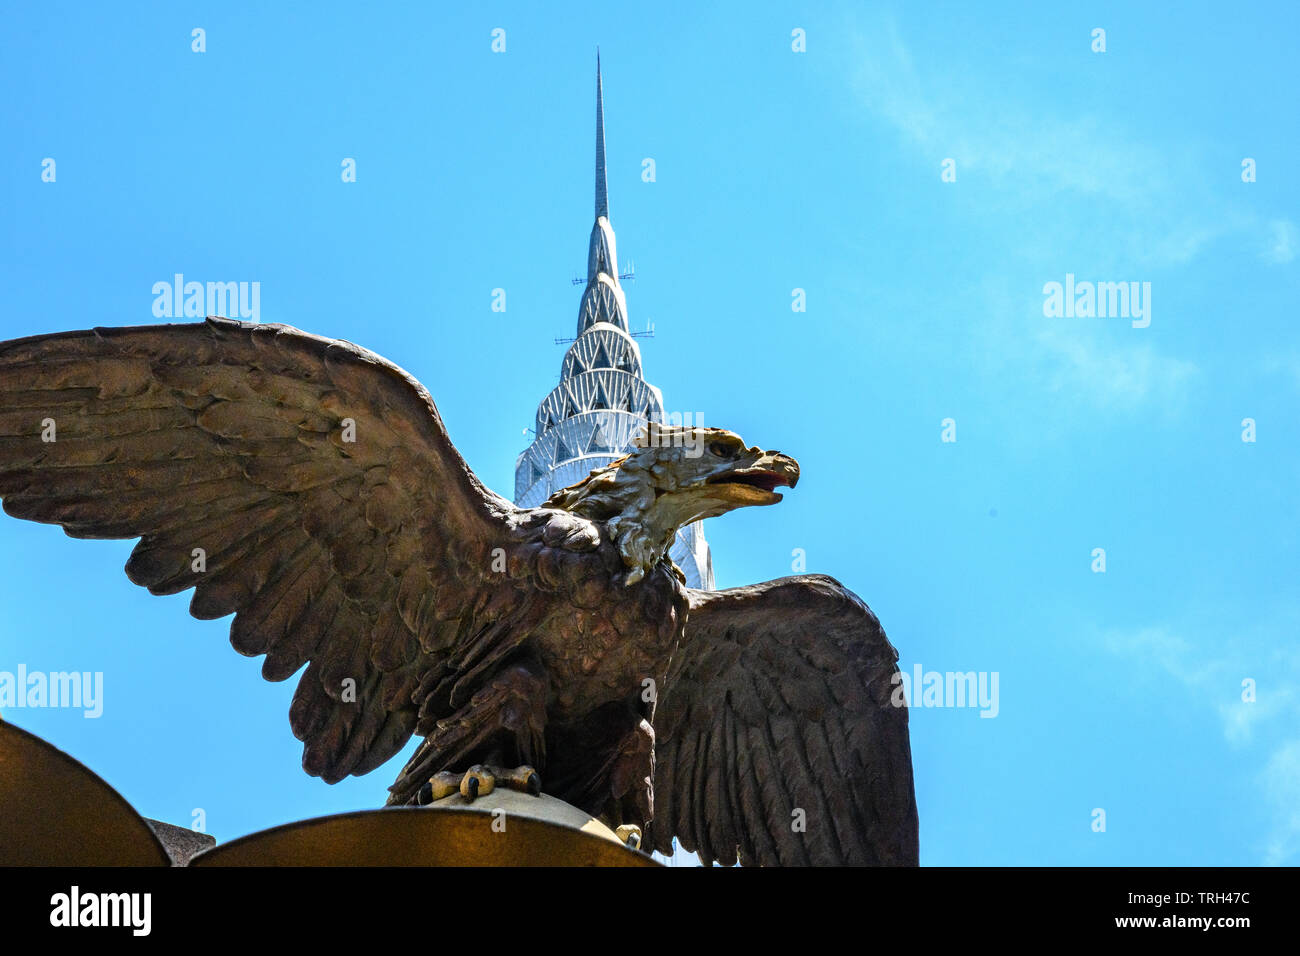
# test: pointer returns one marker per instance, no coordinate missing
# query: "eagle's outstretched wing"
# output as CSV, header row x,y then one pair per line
x,y
304,483
776,741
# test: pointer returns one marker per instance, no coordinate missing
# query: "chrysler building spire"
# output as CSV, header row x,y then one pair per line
x,y
602,401
602,190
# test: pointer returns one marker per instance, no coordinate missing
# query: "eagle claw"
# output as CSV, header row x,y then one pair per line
x,y
478,781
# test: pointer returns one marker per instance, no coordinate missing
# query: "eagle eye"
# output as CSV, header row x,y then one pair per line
x,y
722,449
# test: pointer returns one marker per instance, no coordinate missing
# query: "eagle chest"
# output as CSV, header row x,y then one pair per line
x,y
609,651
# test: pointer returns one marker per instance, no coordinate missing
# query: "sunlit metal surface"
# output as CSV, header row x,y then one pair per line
x,y
500,830
56,812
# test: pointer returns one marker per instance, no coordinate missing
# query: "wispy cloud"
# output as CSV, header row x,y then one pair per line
x,y
1288,364
1083,192
1253,683
1132,376
1032,157
1167,650
1280,246
1281,784
1101,364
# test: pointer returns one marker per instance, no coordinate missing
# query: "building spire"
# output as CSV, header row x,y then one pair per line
x,y
602,191
602,402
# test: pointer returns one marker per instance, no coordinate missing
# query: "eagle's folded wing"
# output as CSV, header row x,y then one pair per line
x,y
303,483
777,741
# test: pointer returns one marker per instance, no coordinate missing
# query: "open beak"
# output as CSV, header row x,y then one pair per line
x,y
755,484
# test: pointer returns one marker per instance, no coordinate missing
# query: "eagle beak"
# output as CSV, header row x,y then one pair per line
x,y
755,484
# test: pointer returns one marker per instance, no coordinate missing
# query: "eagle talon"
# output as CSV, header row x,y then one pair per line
x,y
478,781
524,779
436,787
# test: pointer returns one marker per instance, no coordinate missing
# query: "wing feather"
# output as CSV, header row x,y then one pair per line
x,y
780,701
336,520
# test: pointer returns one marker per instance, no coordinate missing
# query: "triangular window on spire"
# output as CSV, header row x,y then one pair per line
x,y
562,453
598,444
602,358
536,473
627,399
625,360
602,305
602,399
569,410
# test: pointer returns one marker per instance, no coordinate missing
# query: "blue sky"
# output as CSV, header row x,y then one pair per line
x,y
775,170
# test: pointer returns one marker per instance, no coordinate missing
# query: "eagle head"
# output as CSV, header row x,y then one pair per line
x,y
674,475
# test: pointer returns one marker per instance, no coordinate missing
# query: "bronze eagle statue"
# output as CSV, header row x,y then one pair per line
x,y
308,487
